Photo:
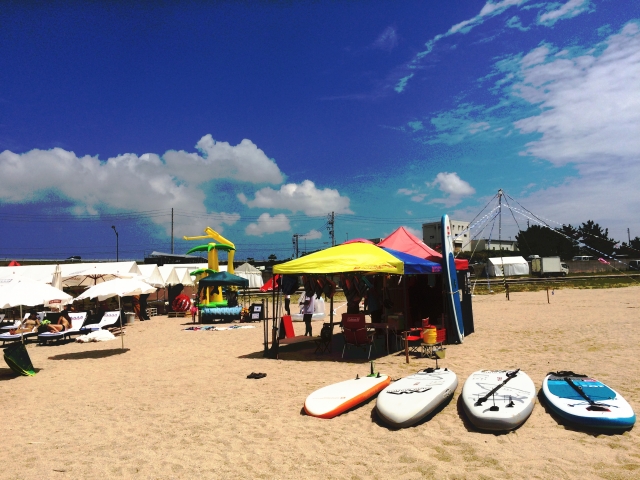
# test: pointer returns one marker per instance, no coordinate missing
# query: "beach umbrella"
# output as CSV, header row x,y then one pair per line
x,y
19,292
56,281
119,287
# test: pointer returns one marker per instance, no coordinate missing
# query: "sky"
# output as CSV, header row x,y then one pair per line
x,y
259,119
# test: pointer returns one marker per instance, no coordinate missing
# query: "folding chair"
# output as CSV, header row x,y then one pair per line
x,y
414,340
355,333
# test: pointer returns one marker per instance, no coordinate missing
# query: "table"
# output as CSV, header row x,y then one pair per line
x,y
429,349
382,326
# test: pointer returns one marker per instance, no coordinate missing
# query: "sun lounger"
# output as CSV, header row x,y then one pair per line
x,y
109,319
13,337
16,324
77,320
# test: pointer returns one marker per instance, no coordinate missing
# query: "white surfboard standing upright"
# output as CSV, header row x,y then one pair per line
x,y
450,277
498,400
411,399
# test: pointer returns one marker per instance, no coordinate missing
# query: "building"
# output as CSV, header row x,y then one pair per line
x,y
494,244
432,235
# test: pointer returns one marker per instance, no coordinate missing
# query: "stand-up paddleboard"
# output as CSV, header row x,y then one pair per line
x,y
586,402
335,399
412,398
498,400
451,279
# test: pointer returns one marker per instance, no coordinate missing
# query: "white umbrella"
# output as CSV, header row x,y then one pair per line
x,y
119,287
56,281
26,292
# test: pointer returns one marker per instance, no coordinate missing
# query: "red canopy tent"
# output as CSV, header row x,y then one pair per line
x,y
14,264
406,242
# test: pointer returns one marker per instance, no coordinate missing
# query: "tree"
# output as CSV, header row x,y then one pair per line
x,y
547,242
250,260
272,257
595,239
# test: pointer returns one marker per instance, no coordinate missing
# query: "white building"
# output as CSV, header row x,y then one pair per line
x,y
432,235
494,244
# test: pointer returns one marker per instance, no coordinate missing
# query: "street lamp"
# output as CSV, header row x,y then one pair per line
x,y
117,246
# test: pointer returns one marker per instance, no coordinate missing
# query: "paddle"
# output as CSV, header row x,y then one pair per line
x,y
510,375
592,405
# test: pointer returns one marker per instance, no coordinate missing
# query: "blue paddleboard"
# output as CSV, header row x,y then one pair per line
x,y
451,279
586,402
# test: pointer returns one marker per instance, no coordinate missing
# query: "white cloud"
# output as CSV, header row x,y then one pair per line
x,y
387,40
303,197
415,126
568,10
312,235
453,186
589,118
267,224
535,56
590,105
479,127
129,182
244,162
415,231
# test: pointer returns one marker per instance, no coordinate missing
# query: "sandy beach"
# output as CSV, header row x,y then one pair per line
x,y
177,404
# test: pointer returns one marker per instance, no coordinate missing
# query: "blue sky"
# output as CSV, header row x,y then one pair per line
x,y
259,119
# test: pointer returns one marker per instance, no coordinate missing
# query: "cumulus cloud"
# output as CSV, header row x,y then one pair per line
x,y
304,197
244,162
129,182
387,40
414,231
416,195
453,187
267,224
312,235
568,10
479,127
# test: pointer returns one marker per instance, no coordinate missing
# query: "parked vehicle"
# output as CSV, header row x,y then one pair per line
x,y
634,264
582,258
549,267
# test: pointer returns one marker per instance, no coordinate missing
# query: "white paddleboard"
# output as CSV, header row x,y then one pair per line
x,y
410,399
586,402
335,399
450,277
506,408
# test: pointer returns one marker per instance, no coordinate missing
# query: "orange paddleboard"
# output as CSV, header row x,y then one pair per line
x,y
335,399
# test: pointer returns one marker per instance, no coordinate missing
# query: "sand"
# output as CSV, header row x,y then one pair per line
x,y
177,404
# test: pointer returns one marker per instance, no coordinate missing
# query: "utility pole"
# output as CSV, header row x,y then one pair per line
x,y
330,226
171,230
296,237
629,235
117,243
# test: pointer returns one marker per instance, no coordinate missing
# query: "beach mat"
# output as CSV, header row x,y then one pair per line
x,y
17,358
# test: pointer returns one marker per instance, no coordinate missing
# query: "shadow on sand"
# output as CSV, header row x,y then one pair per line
x,y
89,354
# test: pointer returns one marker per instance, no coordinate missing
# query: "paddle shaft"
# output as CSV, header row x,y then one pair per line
x,y
580,391
510,375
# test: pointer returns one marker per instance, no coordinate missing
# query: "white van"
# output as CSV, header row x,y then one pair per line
x,y
582,258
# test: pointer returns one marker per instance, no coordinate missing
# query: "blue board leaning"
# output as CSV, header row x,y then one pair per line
x,y
451,280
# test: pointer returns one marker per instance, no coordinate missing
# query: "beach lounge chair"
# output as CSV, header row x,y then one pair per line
x,y
16,337
16,324
355,333
77,320
109,319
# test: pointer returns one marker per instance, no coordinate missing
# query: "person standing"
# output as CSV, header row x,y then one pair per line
x,y
287,303
307,312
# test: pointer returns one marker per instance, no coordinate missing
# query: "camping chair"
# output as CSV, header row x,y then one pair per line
x,y
355,332
323,342
414,339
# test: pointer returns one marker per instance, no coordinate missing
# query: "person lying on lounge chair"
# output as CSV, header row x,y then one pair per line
x,y
63,323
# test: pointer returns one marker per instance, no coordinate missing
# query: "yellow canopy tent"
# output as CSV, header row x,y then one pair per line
x,y
352,257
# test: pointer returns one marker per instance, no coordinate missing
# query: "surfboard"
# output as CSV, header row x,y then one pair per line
x,y
410,399
332,400
451,280
498,400
586,402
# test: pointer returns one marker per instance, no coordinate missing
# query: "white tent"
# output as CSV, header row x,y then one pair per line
x,y
169,275
251,273
151,275
183,275
511,266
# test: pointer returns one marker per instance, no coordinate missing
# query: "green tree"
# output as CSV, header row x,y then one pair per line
x,y
272,257
595,239
548,242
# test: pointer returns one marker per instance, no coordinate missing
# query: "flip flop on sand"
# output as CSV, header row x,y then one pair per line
x,y
256,375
